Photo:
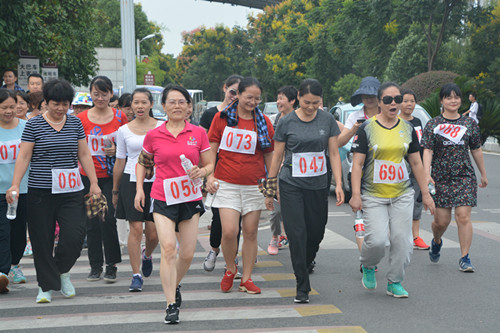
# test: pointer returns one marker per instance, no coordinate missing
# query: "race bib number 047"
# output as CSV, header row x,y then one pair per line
x,y
308,164
180,189
9,150
387,172
450,131
238,140
66,181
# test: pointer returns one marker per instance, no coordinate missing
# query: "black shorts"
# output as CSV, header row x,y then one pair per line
x,y
125,208
178,212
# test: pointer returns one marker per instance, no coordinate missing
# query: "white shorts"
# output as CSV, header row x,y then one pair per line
x,y
242,198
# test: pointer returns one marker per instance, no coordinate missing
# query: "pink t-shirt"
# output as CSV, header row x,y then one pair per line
x,y
166,150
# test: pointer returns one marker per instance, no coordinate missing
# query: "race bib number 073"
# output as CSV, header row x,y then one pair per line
x,y
238,140
180,189
451,132
387,172
66,181
308,164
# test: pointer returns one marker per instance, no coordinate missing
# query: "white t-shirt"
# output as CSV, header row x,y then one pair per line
x,y
129,145
473,111
353,118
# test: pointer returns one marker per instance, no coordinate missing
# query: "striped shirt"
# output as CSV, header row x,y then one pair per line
x,y
52,150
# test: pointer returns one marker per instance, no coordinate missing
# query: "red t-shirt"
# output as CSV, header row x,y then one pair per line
x,y
166,149
235,167
95,138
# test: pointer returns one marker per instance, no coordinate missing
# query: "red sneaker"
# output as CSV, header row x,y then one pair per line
x,y
419,244
227,281
249,287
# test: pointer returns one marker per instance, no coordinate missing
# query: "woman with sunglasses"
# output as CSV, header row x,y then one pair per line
x,y
384,147
447,140
242,136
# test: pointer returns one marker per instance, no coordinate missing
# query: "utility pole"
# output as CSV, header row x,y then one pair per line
x,y
128,45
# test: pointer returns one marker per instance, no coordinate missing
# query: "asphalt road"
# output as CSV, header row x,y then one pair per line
x,y
441,298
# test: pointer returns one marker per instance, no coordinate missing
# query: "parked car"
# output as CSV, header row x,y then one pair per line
x,y
211,104
341,112
270,108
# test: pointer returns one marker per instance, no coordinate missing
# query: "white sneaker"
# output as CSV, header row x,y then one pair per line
x,y
44,296
209,263
67,288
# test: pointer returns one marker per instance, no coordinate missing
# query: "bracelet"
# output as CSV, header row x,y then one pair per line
x,y
206,172
114,192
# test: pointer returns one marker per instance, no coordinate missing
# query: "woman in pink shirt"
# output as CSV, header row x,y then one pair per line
x,y
177,201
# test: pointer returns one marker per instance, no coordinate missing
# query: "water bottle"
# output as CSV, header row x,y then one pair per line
x,y
211,197
12,207
432,188
187,165
359,225
107,142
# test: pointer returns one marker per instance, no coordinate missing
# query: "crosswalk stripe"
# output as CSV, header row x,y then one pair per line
x,y
334,241
491,228
322,329
447,243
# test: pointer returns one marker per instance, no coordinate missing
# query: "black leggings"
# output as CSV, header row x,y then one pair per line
x,y
216,229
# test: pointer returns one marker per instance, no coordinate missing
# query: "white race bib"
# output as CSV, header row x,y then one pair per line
x,y
66,181
9,150
451,132
387,172
97,143
308,164
238,140
418,130
180,189
133,177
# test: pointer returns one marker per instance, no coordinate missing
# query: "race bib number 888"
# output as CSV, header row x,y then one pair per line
x,y
450,131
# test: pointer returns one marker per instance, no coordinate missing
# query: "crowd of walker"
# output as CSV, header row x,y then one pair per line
x,y
64,157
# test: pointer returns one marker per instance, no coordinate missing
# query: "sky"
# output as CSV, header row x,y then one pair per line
x,y
185,15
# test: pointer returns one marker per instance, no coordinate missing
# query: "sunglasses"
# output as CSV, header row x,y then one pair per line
x,y
388,99
233,92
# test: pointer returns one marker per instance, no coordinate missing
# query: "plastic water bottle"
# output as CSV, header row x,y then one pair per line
x,y
211,197
12,207
432,188
187,165
359,225
107,142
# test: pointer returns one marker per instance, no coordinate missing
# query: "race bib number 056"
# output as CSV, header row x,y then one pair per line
x,y
9,150
308,164
66,181
450,131
238,140
387,172
97,143
180,189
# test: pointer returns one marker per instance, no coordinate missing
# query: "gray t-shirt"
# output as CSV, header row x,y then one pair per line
x,y
305,137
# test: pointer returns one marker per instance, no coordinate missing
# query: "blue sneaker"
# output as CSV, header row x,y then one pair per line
x,y
136,284
67,288
435,249
16,274
465,264
368,280
396,290
147,264
44,296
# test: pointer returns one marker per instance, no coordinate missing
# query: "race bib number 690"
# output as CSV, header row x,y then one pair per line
x,y
308,164
387,172
180,189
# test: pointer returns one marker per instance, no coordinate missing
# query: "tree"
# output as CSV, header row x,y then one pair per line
x,y
345,87
54,31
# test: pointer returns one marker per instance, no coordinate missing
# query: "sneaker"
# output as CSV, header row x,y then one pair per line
x,y
44,296
172,316
368,280
301,297
249,287
435,249
396,290
209,263
227,281
178,297
4,282
147,264
110,275
67,288
465,264
361,268
136,284
95,274
238,276
283,241
310,267
16,274
272,249
28,251
419,244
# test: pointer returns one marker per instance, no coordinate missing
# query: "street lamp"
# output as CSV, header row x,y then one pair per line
x,y
139,41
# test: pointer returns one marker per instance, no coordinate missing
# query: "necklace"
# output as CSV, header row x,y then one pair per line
x,y
53,122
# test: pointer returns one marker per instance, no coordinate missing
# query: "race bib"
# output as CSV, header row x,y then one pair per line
x,y
133,177
238,140
66,181
450,131
308,164
418,130
387,172
97,143
9,150
180,189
